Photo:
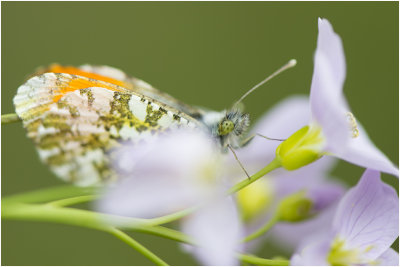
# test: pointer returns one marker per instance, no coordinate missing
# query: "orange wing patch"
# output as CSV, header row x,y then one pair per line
x,y
78,83
38,93
72,70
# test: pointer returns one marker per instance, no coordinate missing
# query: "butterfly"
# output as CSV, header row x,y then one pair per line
x,y
77,116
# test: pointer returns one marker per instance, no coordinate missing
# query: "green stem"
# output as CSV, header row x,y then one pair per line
x,y
50,194
51,213
73,200
171,217
261,261
163,232
137,246
87,219
9,118
74,194
83,218
93,220
270,167
265,228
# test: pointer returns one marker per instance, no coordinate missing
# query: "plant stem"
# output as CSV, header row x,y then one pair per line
x,y
265,228
171,217
75,196
137,246
163,232
261,261
73,200
50,194
274,164
9,118
84,218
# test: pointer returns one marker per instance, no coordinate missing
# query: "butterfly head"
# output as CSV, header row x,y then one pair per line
x,y
231,128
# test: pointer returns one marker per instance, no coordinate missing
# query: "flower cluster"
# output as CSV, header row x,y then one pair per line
x,y
301,207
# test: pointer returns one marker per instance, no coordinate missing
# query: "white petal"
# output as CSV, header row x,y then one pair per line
x,y
291,235
363,152
151,197
328,105
165,176
367,218
389,258
313,254
217,231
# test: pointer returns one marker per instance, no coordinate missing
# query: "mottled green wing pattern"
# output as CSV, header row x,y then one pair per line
x,y
142,87
74,128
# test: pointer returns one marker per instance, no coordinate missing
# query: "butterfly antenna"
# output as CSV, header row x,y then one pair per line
x,y
288,65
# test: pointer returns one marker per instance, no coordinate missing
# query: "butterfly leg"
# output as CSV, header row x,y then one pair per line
x,y
269,138
241,165
246,141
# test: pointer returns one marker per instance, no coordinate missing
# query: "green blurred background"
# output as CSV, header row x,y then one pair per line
x,y
204,53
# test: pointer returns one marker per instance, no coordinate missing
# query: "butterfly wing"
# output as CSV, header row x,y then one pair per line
x,y
120,78
76,121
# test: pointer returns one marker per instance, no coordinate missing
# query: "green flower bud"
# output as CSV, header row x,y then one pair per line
x,y
301,148
295,207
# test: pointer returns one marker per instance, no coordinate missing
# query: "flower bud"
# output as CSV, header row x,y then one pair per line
x,y
255,199
295,207
301,148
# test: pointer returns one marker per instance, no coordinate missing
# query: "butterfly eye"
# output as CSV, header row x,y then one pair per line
x,y
225,127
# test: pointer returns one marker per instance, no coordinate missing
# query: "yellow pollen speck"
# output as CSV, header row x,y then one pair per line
x,y
352,124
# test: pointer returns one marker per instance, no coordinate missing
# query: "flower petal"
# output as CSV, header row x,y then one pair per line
x,y
361,151
313,254
160,176
325,194
328,105
389,258
284,118
290,236
217,231
305,178
152,197
367,218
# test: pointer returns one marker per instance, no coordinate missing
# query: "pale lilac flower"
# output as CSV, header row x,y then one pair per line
x,y
259,200
365,226
217,230
333,129
179,170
